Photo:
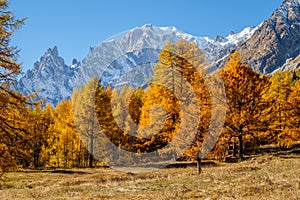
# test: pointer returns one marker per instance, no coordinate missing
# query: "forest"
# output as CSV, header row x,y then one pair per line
x,y
179,103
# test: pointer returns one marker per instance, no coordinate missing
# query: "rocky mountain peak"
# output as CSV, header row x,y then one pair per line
x,y
52,51
145,26
50,77
50,59
276,40
219,38
289,3
75,61
287,13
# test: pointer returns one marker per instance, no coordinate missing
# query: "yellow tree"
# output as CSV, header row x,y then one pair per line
x,y
135,105
40,123
67,149
244,95
191,66
284,106
115,133
156,124
278,93
178,79
85,116
181,70
290,137
13,132
11,103
120,108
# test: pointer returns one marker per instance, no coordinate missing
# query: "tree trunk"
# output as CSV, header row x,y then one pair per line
x,y
199,165
173,80
234,149
241,150
91,157
36,155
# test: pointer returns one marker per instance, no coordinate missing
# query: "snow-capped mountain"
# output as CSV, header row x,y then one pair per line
x,y
123,60
50,77
128,58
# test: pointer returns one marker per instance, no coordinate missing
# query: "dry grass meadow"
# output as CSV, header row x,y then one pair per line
x,y
261,177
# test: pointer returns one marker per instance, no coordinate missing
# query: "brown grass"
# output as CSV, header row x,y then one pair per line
x,y
263,177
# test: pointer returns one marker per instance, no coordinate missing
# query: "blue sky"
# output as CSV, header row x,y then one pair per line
x,y
75,25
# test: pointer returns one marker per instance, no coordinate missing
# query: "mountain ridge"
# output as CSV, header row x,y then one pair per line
x,y
275,41
272,45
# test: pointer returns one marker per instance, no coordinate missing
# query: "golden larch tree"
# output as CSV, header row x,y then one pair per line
x,y
244,97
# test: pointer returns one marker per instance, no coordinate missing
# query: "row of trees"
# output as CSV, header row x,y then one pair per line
x,y
268,113
171,118
30,135
259,109
47,137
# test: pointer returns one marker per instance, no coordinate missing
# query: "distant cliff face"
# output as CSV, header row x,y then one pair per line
x,y
275,41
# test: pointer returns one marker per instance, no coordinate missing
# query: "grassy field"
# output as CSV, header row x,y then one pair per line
x,y
261,177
